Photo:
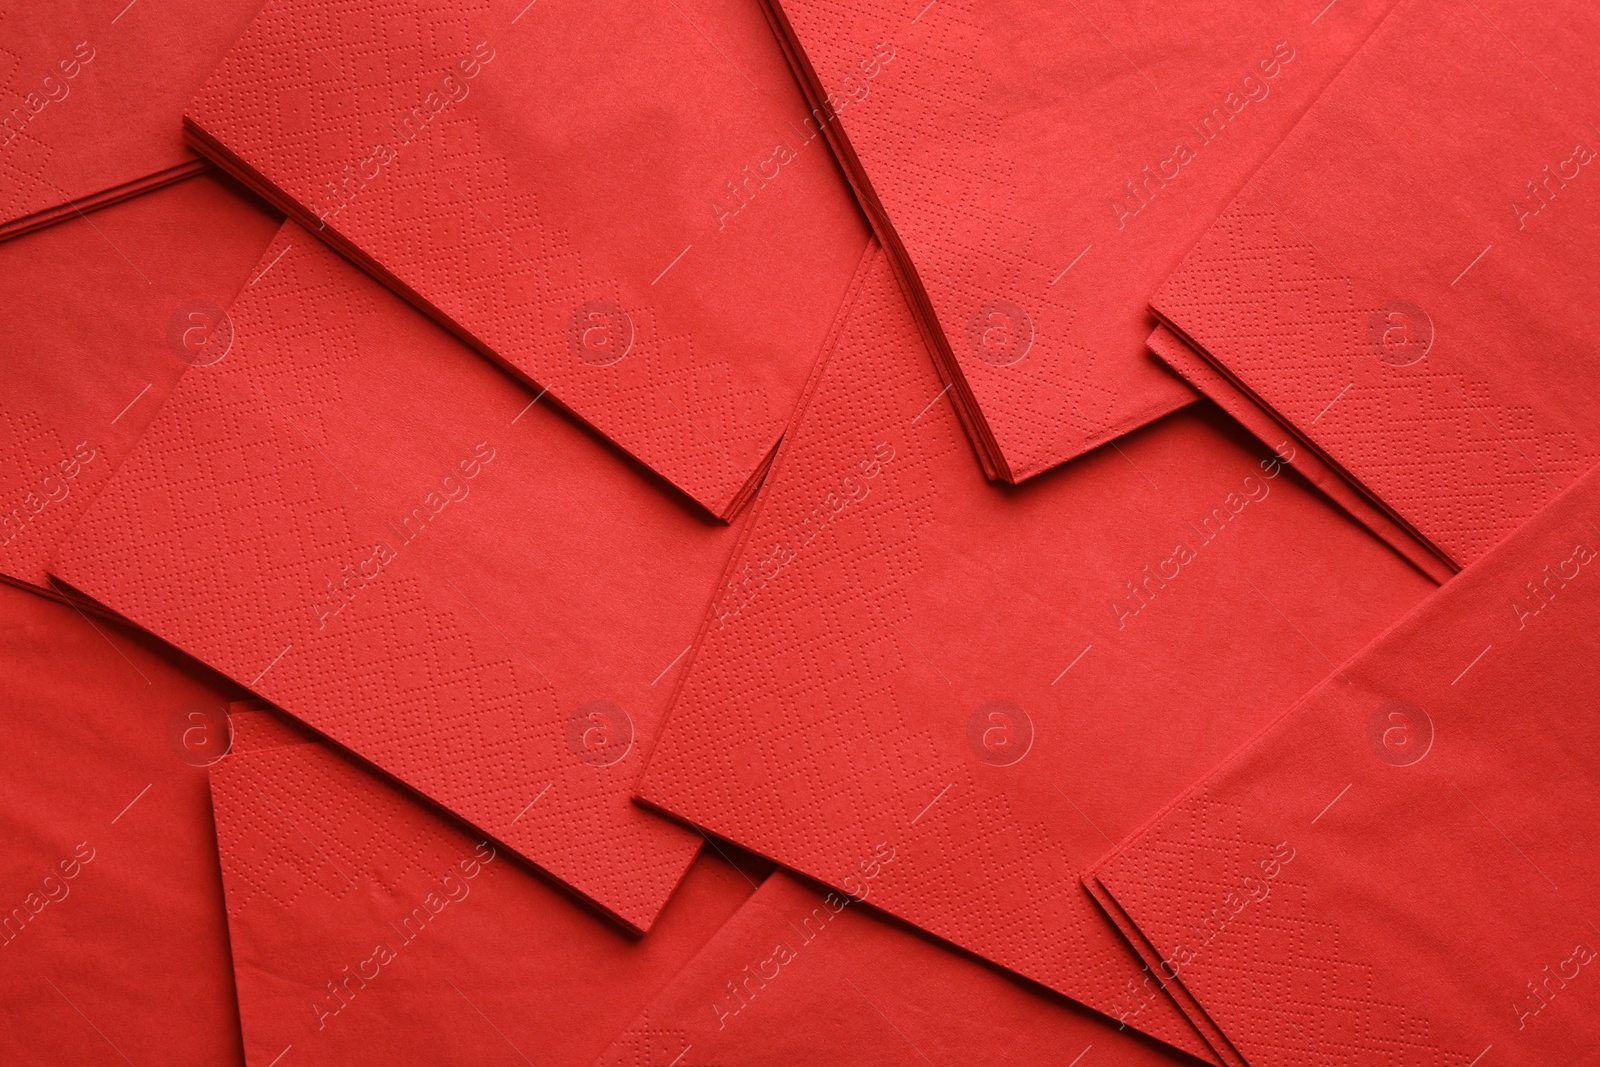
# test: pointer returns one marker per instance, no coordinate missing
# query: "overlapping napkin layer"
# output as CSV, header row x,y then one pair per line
x,y
362,521
1400,869
365,925
91,100
620,202
1037,169
1405,282
998,685
558,547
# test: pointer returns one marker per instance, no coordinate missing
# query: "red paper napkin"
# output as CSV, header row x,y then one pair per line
x,y
1406,281
367,928
618,201
1401,869
92,95
113,944
105,314
999,683
1287,446
799,976
362,521
1037,169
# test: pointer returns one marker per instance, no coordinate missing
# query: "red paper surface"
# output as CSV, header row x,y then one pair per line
x,y
905,656
113,944
1408,280
1286,445
92,95
358,518
104,316
367,928
1400,870
799,976
1037,169
617,201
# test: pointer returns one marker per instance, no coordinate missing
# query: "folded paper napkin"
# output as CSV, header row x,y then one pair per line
x,y
1036,169
1406,282
113,943
366,926
363,521
616,200
999,683
91,99
1400,869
